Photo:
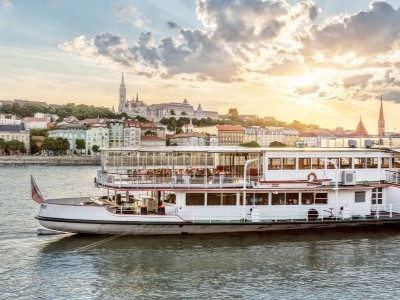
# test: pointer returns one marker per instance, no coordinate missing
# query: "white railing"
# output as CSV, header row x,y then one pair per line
x,y
179,180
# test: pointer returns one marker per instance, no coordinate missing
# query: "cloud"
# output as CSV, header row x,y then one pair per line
x,y
370,32
357,81
285,68
6,3
128,14
310,89
173,25
392,96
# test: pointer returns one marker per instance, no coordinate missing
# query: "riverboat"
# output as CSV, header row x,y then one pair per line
x,y
216,190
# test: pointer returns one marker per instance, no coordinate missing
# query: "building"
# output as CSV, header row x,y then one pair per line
x,y
9,119
97,134
189,139
36,123
360,129
230,135
71,132
116,133
381,122
265,136
132,133
49,117
15,132
309,139
156,112
151,141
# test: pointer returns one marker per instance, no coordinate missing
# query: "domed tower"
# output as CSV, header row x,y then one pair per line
x,y
381,122
122,94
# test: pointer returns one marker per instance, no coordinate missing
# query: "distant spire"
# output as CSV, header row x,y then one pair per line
x,y
381,121
360,130
122,79
137,97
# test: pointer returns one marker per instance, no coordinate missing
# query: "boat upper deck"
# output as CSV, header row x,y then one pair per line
x,y
220,167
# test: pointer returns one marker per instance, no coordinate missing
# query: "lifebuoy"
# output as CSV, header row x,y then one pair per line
x,y
312,177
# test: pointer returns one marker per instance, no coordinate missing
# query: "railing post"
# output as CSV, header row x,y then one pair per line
x,y
390,211
377,211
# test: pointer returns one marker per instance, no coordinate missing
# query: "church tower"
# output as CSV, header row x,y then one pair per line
x,y
381,121
122,94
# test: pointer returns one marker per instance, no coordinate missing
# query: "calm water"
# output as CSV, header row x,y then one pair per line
x,y
306,266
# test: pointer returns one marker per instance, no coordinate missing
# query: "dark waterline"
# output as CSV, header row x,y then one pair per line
x,y
342,265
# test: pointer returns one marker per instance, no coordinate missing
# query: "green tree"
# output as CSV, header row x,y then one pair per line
x,y
15,147
252,144
172,112
80,144
39,132
277,144
62,145
2,146
233,114
95,148
89,152
49,144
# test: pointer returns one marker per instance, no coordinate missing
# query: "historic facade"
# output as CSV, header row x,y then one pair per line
x,y
156,112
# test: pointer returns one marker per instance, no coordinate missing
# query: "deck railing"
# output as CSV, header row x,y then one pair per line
x,y
179,180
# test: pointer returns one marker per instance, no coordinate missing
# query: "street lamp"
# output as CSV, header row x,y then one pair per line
x,y
336,183
244,183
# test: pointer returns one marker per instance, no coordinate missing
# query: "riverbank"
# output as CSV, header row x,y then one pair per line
x,y
50,160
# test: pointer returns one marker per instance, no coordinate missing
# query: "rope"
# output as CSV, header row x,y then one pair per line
x,y
75,250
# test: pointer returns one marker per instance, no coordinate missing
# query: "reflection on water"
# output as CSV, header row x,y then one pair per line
x,y
361,265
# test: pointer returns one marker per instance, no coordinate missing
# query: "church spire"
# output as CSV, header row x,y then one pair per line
x,y
122,94
381,121
360,130
137,97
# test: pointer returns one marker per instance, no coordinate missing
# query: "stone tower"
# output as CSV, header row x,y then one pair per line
x,y
381,122
122,94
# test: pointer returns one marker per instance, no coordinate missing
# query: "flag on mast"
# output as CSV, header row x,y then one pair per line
x,y
35,192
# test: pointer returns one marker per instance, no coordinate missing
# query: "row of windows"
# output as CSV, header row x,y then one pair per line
x,y
199,199
291,163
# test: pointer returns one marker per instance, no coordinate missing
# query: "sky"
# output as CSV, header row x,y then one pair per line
x,y
324,62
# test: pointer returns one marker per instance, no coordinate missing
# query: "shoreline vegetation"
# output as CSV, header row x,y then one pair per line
x,y
68,160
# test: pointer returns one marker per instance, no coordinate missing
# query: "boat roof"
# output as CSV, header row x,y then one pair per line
x,y
239,149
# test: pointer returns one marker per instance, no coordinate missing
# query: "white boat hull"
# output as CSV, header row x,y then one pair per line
x,y
85,227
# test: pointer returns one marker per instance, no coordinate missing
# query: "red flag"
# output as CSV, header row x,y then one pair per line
x,y
35,192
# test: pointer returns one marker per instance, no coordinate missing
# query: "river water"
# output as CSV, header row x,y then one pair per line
x,y
352,265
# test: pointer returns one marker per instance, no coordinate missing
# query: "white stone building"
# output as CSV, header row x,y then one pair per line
x,y
116,133
97,134
265,136
71,132
132,136
9,119
151,141
35,123
16,132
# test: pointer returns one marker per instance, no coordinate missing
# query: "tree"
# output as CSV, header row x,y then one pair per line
x,y
95,148
277,144
62,145
150,133
39,132
172,112
89,152
252,144
233,113
15,146
142,119
80,144
2,145
49,144
183,113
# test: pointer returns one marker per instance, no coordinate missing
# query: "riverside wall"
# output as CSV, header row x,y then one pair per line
x,y
50,160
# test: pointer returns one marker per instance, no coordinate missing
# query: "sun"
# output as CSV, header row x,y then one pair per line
x,y
302,81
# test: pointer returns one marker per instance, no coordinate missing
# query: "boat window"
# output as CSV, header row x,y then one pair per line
x,y
359,197
256,198
292,198
385,162
396,162
214,199
377,195
359,162
229,199
195,199
321,198
274,164
331,163
372,162
345,163
307,198
304,163
317,163
289,163
278,198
